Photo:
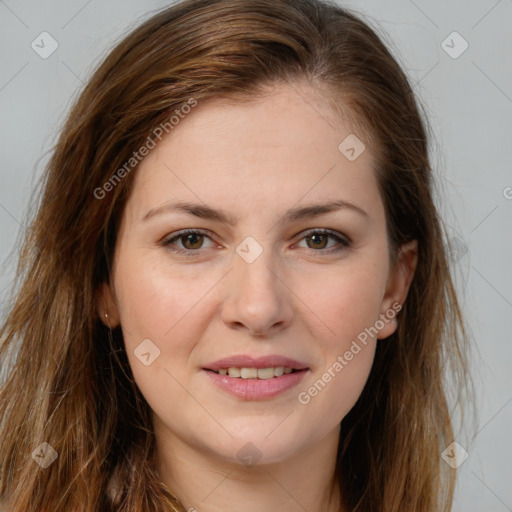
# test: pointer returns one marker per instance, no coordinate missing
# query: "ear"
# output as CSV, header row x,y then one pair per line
x,y
399,281
106,306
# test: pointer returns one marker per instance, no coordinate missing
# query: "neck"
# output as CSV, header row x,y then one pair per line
x,y
204,482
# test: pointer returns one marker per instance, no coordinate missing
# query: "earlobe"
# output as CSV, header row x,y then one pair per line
x,y
389,325
106,306
398,285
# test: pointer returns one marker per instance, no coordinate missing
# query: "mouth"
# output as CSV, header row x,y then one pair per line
x,y
256,384
255,373
256,378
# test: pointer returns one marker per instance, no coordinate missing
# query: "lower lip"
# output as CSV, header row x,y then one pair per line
x,y
256,389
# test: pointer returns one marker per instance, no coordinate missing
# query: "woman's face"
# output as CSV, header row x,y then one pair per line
x,y
256,184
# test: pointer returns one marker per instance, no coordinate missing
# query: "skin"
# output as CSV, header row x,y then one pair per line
x,y
255,160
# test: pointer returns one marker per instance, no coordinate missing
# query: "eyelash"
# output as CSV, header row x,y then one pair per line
x,y
344,242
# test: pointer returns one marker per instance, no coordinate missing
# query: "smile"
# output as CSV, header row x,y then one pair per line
x,y
256,373
246,383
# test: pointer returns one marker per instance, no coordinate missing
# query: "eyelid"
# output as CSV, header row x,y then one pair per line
x,y
343,240
326,231
167,241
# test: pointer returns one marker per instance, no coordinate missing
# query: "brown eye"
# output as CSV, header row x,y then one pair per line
x,y
188,243
324,241
192,241
319,241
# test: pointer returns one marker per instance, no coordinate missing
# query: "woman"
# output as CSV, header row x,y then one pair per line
x,y
235,292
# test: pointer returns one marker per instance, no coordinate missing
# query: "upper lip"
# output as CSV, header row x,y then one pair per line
x,y
244,361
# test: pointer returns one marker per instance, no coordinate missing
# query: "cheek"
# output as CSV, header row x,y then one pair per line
x,y
348,307
155,303
345,302
336,384
336,389
172,310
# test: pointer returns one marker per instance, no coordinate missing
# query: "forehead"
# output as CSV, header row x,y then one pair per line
x,y
272,151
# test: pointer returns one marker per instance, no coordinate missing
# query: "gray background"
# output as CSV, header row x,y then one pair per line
x,y
469,102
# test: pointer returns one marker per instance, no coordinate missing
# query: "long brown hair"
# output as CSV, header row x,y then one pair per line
x,y
67,380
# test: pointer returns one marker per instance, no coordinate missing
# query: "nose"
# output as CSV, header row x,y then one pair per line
x,y
257,298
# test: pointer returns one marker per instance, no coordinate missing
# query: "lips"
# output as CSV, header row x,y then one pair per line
x,y
260,378
245,361
256,378
256,389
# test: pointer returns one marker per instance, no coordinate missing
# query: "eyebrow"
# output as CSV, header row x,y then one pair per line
x,y
300,213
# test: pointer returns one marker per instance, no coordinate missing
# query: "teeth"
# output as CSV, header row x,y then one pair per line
x,y
265,373
248,373
255,373
234,372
